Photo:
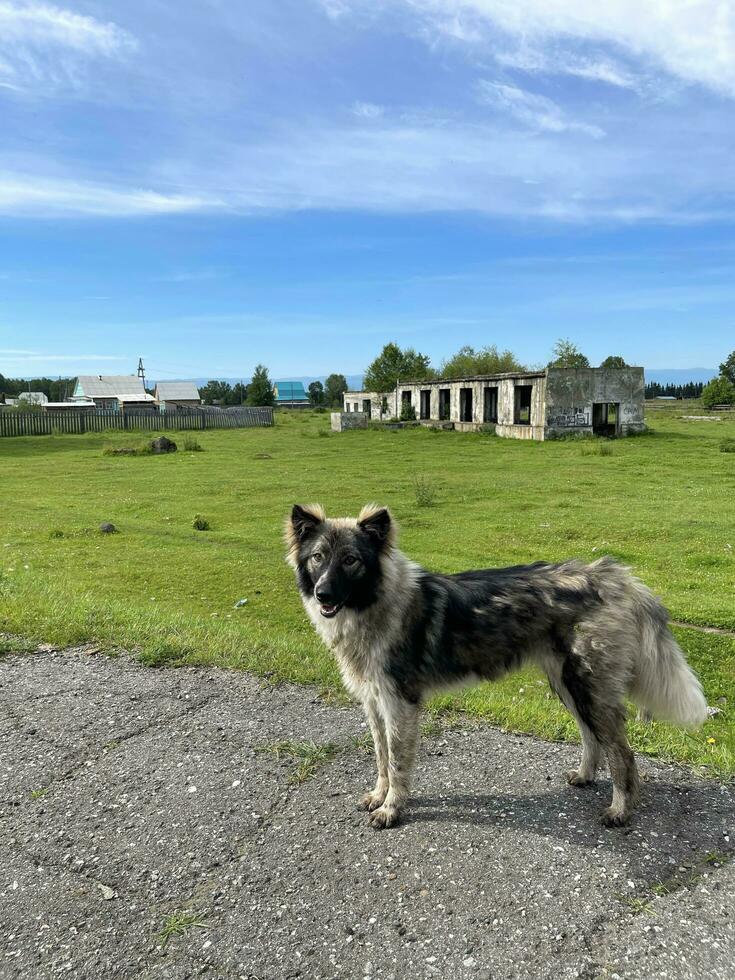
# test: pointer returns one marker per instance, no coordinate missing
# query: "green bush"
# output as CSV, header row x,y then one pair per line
x,y
408,412
144,450
200,523
598,447
191,445
424,491
719,391
727,445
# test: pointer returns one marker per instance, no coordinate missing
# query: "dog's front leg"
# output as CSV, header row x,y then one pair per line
x,y
375,798
401,719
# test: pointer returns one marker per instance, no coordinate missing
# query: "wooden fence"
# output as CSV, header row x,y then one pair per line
x,y
76,422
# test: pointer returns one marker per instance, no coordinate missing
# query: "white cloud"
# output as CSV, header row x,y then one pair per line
x,y
536,61
693,41
536,111
43,196
367,110
45,47
335,8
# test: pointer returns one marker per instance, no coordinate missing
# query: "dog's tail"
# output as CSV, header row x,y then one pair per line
x,y
664,685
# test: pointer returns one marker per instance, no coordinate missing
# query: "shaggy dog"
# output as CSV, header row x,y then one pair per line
x,y
399,633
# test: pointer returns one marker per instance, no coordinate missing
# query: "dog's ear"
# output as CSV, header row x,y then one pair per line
x,y
301,522
305,520
378,524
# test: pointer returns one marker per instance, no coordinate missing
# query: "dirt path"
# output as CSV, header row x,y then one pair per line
x,y
137,799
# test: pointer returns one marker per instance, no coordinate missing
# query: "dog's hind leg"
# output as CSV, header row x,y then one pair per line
x,y
624,772
603,711
402,728
376,797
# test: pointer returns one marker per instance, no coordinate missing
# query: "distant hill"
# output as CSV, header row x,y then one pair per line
x,y
678,376
354,381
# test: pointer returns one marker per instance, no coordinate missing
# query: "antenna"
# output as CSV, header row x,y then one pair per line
x,y
141,370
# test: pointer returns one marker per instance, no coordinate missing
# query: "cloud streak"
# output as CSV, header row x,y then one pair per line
x,y
43,47
693,42
28,196
535,111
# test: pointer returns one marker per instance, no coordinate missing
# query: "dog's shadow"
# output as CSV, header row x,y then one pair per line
x,y
686,822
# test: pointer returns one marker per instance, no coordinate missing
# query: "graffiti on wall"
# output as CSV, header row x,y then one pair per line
x,y
570,418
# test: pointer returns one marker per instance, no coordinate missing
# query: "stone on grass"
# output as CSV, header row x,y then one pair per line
x,y
106,527
162,445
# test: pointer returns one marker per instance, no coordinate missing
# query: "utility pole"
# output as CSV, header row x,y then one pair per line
x,y
141,370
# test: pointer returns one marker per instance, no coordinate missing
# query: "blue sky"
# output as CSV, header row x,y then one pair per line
x,y
209,184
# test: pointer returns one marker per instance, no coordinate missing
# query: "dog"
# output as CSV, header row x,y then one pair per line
x,y
400,632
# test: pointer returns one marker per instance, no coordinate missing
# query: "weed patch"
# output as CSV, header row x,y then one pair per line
x,y
424,491
307,756
179,923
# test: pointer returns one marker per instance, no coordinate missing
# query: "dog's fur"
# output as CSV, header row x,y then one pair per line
x,y
399,632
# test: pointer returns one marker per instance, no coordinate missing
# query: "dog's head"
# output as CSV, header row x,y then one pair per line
x,y
337,561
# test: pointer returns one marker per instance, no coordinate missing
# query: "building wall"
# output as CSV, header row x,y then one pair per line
x,y
358,398
506,403
562,400
572,393
173,403
343,421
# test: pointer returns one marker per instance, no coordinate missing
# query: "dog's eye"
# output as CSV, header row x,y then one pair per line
x,y
350,560
317,557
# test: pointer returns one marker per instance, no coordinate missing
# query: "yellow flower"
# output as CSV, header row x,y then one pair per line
x,y
711,741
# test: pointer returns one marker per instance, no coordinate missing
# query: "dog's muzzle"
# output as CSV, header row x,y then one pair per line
x,y
328,610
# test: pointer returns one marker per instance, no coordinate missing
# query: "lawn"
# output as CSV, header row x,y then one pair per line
x,y
662,503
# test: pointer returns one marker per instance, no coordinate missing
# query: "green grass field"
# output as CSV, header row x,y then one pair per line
x,y
664,504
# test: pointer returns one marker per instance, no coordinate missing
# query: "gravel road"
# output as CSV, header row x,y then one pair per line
x,y
149,830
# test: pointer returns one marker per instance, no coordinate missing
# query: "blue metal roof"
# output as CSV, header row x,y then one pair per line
x,y
290,391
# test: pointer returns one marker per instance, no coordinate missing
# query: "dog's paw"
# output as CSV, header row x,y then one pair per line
x,y
383,817
614,818
372,800
574,778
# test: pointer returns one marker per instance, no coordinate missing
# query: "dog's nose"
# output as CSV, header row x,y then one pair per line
x,y
323,596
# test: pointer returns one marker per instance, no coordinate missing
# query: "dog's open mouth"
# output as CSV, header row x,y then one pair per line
x,y
328,610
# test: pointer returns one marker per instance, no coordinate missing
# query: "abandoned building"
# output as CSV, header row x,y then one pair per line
x,y
524,405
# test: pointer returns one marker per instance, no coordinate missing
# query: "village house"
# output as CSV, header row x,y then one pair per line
x,y
113,392
173,395
520,405
290,394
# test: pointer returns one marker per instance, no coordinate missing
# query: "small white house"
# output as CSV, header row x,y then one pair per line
x,y
33,397
172,395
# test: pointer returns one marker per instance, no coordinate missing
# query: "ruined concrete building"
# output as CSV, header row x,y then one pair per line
x,y
521,405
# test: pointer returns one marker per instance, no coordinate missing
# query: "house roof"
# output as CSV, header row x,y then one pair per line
x,y
167,391
290,391
121,386
33,397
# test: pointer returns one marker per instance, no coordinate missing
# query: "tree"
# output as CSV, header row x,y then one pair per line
x,y
316,393
260,389
216,393
238,395
393,363
487,360
719,391
334,387
614,361
567,355
727,368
